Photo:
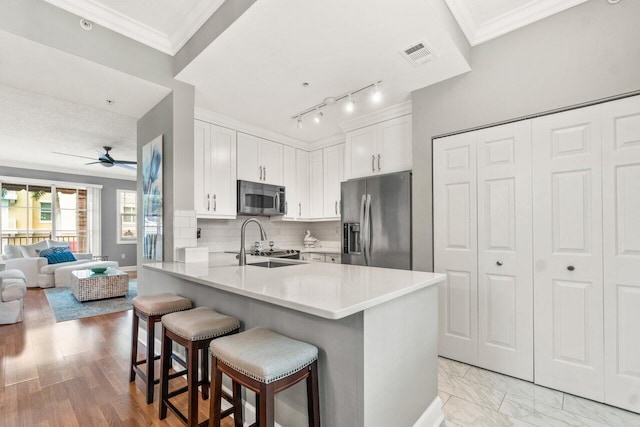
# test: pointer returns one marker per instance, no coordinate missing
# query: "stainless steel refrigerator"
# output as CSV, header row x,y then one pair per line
x,y
376,221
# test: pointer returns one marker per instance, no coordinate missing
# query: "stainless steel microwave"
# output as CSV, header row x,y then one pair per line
x,y
255,198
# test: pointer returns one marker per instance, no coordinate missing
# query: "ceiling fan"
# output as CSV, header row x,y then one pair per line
x,y
105,159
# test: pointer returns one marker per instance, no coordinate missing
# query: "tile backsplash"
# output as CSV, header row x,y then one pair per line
x,y
224,235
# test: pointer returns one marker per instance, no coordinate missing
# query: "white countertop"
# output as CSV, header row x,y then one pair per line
x,y
331,291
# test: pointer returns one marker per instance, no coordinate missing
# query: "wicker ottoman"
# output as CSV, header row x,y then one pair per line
x,y
87,285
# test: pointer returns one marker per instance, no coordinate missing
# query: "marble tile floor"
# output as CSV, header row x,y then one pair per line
x,y
474,397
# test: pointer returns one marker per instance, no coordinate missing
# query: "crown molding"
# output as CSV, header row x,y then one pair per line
x,y
138,31
192,23
529,13
248,128
387,113
328,142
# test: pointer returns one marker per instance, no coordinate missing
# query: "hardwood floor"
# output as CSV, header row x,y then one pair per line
x,y
73,373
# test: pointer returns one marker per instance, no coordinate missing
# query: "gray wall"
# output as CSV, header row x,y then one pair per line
x,y
110,246
585,53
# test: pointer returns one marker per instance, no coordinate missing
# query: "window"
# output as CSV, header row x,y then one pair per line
x,y
127,210
45,212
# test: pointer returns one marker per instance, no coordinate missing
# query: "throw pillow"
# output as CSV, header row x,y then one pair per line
x,y
52,243
29,251
60,257
12,252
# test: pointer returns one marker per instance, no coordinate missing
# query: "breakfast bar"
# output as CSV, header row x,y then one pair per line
x,y
375,328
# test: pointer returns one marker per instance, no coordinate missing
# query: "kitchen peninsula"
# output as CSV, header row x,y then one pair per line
x,y
375,328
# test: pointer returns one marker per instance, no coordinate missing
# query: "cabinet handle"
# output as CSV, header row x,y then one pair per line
x,y
215,204
260,172
299,209
373,163
571,268
336,207
286,208
208,201
499,263
265,173
379,161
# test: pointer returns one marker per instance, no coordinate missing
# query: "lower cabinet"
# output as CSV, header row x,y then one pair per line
x,y
540,219
320,257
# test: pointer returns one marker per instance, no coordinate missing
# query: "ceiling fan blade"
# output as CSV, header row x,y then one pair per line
x,y
93,163
125,162
74,155
125,166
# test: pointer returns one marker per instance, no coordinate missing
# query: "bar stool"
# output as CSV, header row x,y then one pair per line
x,y
151,308
194,330
266,363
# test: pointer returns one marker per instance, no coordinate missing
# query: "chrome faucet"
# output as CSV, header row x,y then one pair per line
x,y
263,236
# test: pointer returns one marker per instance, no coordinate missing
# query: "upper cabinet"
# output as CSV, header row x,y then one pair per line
x,y
380,148
290,177
301,201
260,160
316,177
214,171
333,159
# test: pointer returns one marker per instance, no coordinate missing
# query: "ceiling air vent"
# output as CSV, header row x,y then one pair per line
x,y
418,54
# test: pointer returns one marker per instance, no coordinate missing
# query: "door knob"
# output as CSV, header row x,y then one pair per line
x,y
499,263
571,268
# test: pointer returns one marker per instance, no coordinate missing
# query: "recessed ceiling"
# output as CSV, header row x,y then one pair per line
x,y
254,71
165,25
53,101
483,20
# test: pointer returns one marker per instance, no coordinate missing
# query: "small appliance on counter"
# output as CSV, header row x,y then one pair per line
x,y
255,198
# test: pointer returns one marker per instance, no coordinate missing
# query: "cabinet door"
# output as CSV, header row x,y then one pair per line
x,y
567,230
505,270
289,177
271,161
317,185
361,152
202,167
333,176
394,151
247,158
455,245
621,190
303,186
223,172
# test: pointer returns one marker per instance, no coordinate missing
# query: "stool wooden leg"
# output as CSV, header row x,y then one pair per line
x,y
313,397
165,363
215,406
151,356
134,346
192,379
237,404
204,369
266,406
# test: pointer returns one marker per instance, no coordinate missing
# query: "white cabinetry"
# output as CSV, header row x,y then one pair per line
x,y
302,209
381,148
333,177
316,177
563,214
214,171
259,160
290,177
486,313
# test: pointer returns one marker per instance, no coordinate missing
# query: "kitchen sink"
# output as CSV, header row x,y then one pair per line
x,y
272,264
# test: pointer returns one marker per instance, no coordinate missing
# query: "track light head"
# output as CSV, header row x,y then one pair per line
x,y
318,117
350,105
299,122
376,95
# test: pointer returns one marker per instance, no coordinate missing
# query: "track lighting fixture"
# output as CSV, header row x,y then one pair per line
x,y
376,97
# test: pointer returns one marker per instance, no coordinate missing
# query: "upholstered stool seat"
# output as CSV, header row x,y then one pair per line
x,y
194,330
265,362
151,308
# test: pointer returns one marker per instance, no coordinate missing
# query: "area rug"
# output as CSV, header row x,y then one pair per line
x,y
66,307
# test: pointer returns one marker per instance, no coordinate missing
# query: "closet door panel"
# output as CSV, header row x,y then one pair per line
x,y
568,271
455,242
505,276
621,189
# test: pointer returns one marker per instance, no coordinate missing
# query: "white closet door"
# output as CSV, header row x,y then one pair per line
x,y
567,229
621,186
455,245
505,271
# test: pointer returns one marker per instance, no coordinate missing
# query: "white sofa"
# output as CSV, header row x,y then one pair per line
x,y
12,292
38,272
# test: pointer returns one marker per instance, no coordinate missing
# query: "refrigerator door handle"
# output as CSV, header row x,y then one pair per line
x,y
367,230
361,238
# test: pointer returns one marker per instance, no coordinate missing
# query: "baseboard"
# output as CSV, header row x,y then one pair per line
x,y
433,416
128,268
